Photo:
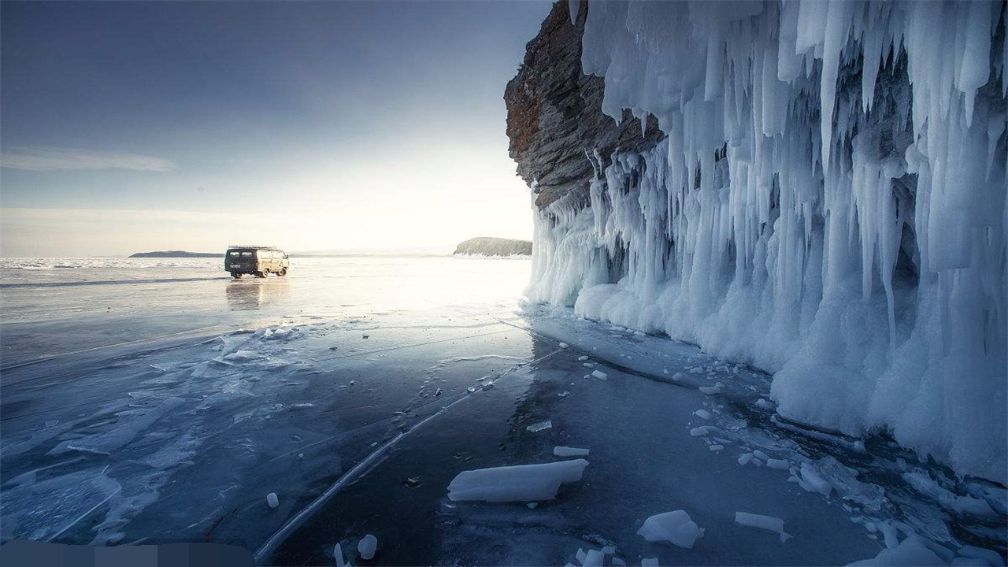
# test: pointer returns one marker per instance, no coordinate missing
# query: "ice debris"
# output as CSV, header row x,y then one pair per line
x,y
272,500
338,556
539,426
367,546
769,523
674,527
518,483
561,451
911,551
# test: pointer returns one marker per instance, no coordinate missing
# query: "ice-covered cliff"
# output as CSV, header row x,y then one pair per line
x,y
824,196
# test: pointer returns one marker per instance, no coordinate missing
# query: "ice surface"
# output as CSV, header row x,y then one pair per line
x,y
519,483
201,470
829,205
367,546
769,523
674,527
910,552
560,451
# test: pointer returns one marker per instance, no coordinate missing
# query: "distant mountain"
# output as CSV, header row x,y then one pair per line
x,y
176,254
489,246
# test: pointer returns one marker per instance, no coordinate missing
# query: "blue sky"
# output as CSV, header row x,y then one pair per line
x,y
141,125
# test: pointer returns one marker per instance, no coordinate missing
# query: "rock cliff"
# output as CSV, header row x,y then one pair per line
x,y
555,120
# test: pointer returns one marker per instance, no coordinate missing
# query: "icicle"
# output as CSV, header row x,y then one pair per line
x,y
771,223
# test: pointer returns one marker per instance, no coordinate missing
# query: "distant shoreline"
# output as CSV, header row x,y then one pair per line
x,y
176,254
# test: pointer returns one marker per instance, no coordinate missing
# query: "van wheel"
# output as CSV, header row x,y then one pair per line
x,y
236,275
282,272
262,274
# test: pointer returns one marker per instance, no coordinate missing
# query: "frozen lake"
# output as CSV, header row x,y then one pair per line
x,y
157,400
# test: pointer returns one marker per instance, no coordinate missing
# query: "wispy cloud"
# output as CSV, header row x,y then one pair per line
x,y
64,159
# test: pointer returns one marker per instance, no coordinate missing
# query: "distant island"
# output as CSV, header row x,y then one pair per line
x,y
489,246
176,254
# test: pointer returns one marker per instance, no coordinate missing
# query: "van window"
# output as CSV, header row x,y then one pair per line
x,y
246,253
235,253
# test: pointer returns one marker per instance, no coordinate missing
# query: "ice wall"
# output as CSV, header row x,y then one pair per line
x,y
829,204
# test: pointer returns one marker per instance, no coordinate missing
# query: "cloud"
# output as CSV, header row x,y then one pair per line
x,y
60,159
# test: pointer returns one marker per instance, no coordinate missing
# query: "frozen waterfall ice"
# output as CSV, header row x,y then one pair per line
x,y
829,203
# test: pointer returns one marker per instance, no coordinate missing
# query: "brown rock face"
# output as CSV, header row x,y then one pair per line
x,y
555,118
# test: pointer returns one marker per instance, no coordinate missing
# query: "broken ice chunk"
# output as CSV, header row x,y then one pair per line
x,y
594,558
564,345
519,483
582,358
367,546
702,414
763,404
338,555
540,425
569,452
702,430
272,500
674,527
812,481
599,374
711,390
779,464
769,523
745,458
649,562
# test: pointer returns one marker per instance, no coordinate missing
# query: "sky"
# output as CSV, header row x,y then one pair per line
x,y
134,126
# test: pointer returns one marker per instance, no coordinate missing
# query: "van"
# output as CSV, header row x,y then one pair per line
x,y
258,260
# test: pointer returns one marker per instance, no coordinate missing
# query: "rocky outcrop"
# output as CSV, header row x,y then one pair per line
x,y
555,119
489,246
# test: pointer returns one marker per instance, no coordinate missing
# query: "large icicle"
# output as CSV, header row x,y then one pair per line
x,y
829,204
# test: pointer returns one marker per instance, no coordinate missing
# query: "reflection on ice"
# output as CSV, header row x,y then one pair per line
x,y
255,293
